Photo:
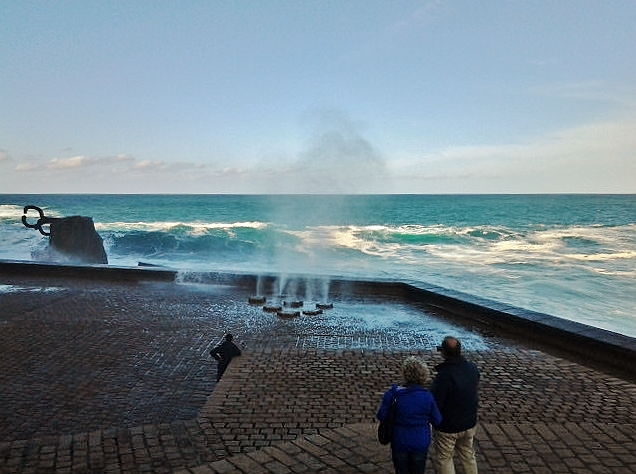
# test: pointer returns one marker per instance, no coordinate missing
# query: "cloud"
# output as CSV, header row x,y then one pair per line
x,y
27,167
598,157
83,162
337,157
147,164
111,174
69,163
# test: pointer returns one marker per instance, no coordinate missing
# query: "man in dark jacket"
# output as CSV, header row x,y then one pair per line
x,y
456,394
224,353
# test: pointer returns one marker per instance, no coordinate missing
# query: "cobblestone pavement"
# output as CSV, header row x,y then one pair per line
x,y
117,379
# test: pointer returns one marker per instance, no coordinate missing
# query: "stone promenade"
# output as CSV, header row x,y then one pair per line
x,y
107,378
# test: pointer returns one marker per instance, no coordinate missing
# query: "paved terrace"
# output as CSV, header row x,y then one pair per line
x,y
115,378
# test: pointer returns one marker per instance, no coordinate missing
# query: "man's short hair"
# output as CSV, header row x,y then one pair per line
x,y
451,347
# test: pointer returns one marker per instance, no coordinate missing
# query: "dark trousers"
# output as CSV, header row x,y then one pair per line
x,y
220,369
409,463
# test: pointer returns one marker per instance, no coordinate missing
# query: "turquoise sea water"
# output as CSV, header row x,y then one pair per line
x,y
572,256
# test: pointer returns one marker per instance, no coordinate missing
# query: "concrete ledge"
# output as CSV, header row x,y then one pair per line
x,y
589,344
88,272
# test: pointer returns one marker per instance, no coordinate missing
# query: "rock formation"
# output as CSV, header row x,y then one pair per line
x,y
71,239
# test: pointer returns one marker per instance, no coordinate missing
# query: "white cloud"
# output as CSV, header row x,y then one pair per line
x,y
599,157
69,163
27,167
82,161
146,164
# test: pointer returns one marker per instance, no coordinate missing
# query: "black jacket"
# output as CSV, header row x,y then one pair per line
x,y
456,393
225,352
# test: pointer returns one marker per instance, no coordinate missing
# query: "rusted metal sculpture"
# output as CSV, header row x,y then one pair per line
x,y
74,238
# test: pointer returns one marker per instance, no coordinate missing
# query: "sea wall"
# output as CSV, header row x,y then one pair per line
x,y
89,272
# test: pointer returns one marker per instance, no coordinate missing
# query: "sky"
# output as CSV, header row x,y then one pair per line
x,y
367,96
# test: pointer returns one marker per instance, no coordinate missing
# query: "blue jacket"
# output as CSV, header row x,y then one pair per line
x,y
456,393
416,411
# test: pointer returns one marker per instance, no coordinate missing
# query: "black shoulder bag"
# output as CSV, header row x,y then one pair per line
x,y
385,428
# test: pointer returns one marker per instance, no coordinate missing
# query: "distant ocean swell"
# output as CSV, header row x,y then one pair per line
x,y
584,247
588,248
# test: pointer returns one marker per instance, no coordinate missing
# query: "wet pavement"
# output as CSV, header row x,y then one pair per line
x,y
117,378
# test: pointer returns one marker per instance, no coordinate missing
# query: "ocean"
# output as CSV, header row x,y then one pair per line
x,y
571,256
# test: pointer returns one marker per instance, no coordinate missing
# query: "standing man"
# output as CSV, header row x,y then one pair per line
x,y
455,391
224,353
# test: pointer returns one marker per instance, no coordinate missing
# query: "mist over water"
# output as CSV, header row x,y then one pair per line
x,y
337,155
569,256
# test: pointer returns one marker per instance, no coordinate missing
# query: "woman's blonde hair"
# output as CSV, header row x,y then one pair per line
x,y
415,371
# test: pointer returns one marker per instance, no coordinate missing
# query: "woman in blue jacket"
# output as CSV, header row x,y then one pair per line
x,y
416,411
